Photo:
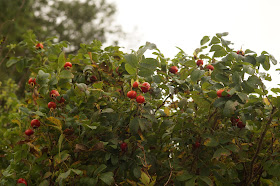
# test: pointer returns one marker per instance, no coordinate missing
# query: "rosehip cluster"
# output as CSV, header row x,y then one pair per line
x,y
145,87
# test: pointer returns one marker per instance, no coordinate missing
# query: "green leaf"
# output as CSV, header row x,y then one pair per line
x,y
184,177
236,78
214,40
107,110
221,152
207,180
272,59
197,74
242,96
222,78
218,50
134,125
42,78
204,40
191,182
12,61
61,61
130,69
137,172
132,60
275,90
77,171
274,170
142,50
66,74
222,34
63,176
229,108
60,140
101,168
211,142
107,178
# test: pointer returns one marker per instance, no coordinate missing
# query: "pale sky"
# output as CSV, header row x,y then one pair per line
x,y
252,24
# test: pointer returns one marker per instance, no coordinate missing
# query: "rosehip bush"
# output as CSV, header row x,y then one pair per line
x,y
177,131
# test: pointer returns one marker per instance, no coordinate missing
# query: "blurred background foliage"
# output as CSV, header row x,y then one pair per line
x,y
69,20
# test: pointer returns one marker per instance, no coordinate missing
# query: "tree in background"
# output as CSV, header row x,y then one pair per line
x,y
74,21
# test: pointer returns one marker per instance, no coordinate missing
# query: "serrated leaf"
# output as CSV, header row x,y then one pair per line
x,y
131,70
222,34
211,142
142,50
132,60
42,78
101,168
197,74
107,178
134,125
229,108
272,59
214,40
204,40
66,74
77,171
221,152
61,61
12,61
242,96
207,180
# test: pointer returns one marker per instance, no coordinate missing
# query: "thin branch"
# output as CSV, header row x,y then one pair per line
x,y
163,102
260,144
171,172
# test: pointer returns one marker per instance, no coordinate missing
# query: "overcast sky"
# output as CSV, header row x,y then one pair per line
x,y
252,24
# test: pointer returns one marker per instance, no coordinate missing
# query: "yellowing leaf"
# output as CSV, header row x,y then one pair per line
x,y
141,135
167,111
55,121
17,122
265,100
145,179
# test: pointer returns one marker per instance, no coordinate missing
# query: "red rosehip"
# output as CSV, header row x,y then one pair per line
x,y
240,124
51,105
93,78
135,84
173,69
240,52
35,123
131,94
39,46
29,132
145,87
62,100
140,99
210,67
199,62
67,65
234,120
219,93
123,146
21,180
196,145
54,94
32,82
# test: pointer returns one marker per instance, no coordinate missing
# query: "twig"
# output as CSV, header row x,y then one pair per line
x,y
171,172
163,102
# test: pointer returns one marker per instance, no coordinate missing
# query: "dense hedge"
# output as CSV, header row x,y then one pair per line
x,y
201,119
